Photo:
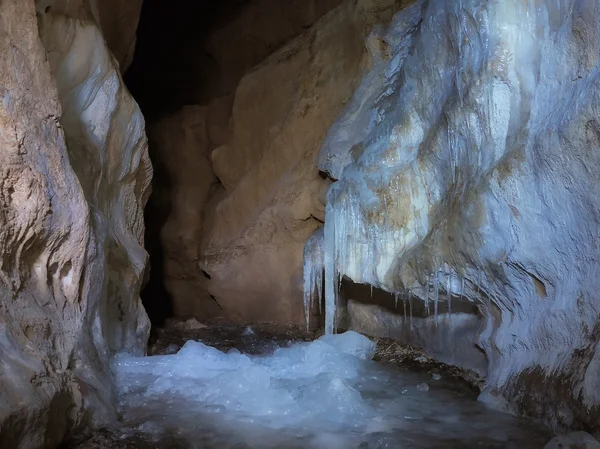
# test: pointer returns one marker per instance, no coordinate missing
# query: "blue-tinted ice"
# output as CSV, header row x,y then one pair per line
x,y
323,394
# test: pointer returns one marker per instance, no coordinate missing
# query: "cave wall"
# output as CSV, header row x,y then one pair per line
x,y
117,20
180,147
75,178
474,179
259,29
258,131
262,133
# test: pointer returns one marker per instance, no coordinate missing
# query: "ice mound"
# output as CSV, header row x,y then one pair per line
x,y
301,385
351,343
322,394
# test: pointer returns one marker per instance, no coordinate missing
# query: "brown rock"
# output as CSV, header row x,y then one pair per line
x,y
254,235
219,117
117,19
256,32
180,145
73,184
237,128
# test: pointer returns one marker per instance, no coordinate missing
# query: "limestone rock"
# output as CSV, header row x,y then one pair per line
x,y
255,230
256,32
74,180
267,196
219,118
117,20
448,338
180,146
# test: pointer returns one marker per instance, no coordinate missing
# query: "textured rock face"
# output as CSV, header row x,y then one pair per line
x,y
74,179
262,142
117,19
261,28
272,192
476,179
180,147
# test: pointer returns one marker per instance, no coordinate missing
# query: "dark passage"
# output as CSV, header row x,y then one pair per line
x,y
170,69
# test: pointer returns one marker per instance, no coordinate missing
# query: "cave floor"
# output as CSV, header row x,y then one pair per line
x,y
444,414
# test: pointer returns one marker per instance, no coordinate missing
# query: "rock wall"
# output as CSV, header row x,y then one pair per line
x,y
272,194
74,180
259,29
180,149
262,137
117,20
466,169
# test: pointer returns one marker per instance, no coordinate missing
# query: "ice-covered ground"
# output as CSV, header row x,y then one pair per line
x,y
322,394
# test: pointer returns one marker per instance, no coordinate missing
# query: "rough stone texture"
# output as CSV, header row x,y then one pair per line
x,y
73,182
213,135
448,338
205,47
476,178
117,19
261,28
254,233
180,146
262,140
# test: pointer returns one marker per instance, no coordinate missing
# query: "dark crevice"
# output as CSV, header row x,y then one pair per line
x,y
171,67
155,297
217,302
326,175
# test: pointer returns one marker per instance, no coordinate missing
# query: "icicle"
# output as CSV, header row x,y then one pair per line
x,y
426,295
313,273
308,289
436,291
330,271
396,300
404,303
336,287
319,282
410,304
449,292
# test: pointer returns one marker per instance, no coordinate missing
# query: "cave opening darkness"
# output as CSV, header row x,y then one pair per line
x,y
171,69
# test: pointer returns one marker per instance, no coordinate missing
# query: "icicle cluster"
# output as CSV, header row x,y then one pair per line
x,y
313,273
441,122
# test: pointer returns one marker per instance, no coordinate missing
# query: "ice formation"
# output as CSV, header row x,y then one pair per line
x,y
323,394
391,195
313,273
475,180
466,169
